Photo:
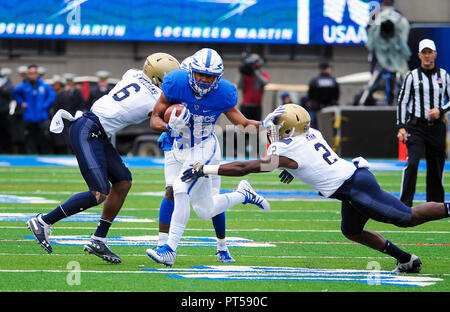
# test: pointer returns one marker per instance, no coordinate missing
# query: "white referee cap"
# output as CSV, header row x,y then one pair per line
x,y
427,43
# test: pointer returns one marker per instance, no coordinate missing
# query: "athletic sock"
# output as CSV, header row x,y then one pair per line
x,y
73,205
162,238
102,228
396,252
447,209
166,210
221,244
219,223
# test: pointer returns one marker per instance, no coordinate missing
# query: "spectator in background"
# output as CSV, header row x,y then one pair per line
x,y
22,71
100,89
57,83
17,125
305,102
252,81
6,88
323,91
42,71
286,98
35,97
387,42
70,99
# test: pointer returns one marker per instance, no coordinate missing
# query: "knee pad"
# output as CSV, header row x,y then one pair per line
x,y
202,213
179,186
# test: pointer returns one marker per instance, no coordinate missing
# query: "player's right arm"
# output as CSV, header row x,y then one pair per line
x,y
267,164
239,168
157,122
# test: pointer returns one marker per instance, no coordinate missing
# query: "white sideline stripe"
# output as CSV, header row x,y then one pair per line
x,y
159,271
71,271
241,256
232,230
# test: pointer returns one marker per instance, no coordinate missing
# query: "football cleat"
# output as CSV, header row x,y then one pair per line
x,y
251,197
101,250
41,232
412,266
164,255
224,256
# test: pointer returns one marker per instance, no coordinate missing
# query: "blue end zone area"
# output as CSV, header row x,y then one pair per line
x,y
158,162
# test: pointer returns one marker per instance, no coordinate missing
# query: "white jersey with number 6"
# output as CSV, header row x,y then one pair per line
x,y
318,165
129,102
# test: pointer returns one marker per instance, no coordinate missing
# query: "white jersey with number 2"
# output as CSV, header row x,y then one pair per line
x,y
318,165
129,102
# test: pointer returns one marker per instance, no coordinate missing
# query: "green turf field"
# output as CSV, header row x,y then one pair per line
x,y
297,243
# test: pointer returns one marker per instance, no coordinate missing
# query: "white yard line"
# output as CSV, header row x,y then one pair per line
x,y
228,230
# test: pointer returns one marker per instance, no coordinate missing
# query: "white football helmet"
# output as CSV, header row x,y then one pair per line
x,y
186,63
157,65
206,61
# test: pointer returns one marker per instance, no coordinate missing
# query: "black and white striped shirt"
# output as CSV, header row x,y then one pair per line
x,y
422,91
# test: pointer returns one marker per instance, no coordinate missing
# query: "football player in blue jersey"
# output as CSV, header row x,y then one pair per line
x,y
206,95
165,143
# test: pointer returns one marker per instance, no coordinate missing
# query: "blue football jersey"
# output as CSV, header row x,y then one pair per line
x,y
204,110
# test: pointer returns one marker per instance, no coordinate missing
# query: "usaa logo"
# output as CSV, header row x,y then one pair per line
x,y
358,11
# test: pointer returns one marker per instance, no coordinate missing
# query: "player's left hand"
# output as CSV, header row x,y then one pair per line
x,y
196,171
268,121
286,177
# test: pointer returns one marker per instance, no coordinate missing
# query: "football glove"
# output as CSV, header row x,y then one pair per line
x,y
268,121
285,177
176,124
195,172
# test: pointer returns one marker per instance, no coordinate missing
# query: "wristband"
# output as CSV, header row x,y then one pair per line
x,y
211,169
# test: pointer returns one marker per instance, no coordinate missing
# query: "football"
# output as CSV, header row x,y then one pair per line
x,y
169,110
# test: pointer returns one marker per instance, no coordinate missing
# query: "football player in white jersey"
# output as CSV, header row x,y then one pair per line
x,y
304,155
130,102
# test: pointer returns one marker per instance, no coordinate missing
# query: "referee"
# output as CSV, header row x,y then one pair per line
x,y
422,104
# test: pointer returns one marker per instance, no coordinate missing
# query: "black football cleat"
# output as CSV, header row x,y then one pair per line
x,y
41,233
412,266
101,250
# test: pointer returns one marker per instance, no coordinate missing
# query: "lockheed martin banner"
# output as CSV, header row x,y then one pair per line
x,y
233,21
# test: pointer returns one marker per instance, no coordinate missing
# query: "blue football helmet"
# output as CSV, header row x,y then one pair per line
x,y
206,61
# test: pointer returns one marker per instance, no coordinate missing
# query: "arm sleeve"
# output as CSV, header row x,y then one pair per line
x,y
403,100
446,106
